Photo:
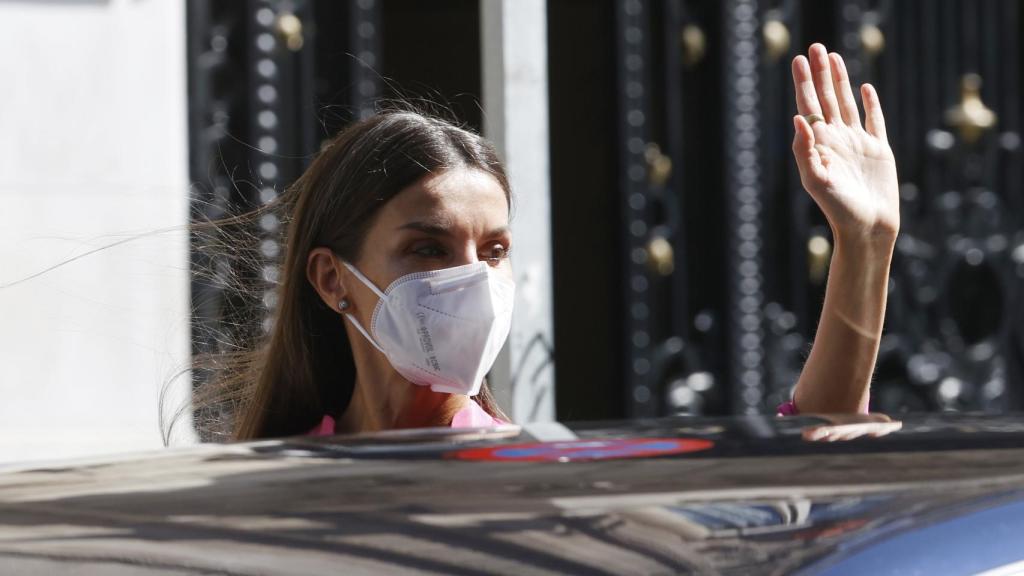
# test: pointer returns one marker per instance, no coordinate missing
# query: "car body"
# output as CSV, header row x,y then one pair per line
x,y
744,495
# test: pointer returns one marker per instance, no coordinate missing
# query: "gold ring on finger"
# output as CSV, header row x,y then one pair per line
x,y
812,118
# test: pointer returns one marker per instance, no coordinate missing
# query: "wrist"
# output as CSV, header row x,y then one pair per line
x,y
873,244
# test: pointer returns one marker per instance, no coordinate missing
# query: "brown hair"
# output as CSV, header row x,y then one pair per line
x,y
304,367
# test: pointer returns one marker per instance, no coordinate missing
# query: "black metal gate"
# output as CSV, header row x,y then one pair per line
x,y
704,108
269,80
689,263
260,103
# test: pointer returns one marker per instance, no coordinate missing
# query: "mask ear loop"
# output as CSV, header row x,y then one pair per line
x,y
350,318
365,280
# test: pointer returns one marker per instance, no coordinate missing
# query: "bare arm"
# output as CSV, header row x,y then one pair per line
x,y
850,172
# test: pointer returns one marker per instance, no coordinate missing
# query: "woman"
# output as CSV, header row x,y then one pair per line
x,y
396,292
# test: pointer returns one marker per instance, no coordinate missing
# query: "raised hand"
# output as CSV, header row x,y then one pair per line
x,y
848,168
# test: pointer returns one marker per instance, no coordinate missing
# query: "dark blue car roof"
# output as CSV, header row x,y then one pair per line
x,y
945,494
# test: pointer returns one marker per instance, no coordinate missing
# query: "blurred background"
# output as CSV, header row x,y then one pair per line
x,y
668,259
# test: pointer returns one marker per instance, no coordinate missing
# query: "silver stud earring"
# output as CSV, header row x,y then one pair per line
x,y
344,304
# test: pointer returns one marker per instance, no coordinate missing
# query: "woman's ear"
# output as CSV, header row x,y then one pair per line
x,y
323,270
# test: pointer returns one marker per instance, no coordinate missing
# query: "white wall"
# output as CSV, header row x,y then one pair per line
x,y
515,94
93,148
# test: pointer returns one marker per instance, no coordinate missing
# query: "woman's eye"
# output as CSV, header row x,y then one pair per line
x,y
496,254
430,251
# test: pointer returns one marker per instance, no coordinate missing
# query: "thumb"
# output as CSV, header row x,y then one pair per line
x,y
812,173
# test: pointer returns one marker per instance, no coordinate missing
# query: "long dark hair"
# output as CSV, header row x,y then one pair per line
x,y
304,367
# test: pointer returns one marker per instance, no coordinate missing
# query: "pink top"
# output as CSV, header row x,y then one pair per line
x,y
470,416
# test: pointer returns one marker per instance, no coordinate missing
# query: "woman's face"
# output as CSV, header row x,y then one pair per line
x,y
444,220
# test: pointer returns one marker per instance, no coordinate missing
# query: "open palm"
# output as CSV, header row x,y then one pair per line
x,y
847,168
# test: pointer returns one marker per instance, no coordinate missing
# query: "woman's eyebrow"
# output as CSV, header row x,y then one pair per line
x,y
442,229
432,228
503,231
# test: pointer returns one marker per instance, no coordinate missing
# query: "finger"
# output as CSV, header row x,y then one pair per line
x,y
850,433
844,432
830,433
816,433
877,417
803,85
844,92
884,428
873,118
821,71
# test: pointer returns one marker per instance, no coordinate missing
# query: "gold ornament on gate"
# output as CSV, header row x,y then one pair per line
x,y
819,254
659,166
694,45
971,117
289,28
776,40
660,257
872,40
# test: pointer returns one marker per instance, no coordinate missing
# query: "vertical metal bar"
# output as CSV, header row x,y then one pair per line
x,y
993,87
1011,108
799,201
279,68
210,96
307,125
934,88
969,31
901,99
951,70
365,39
631,28
1013,174
202,59
268,104
214,96
674,196
898,98
851,17
1000,56
744,204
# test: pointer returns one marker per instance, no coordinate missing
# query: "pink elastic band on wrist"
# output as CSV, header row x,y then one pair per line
x,y
789,409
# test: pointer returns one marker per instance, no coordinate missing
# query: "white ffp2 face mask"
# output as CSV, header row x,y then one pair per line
x,y
442,328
